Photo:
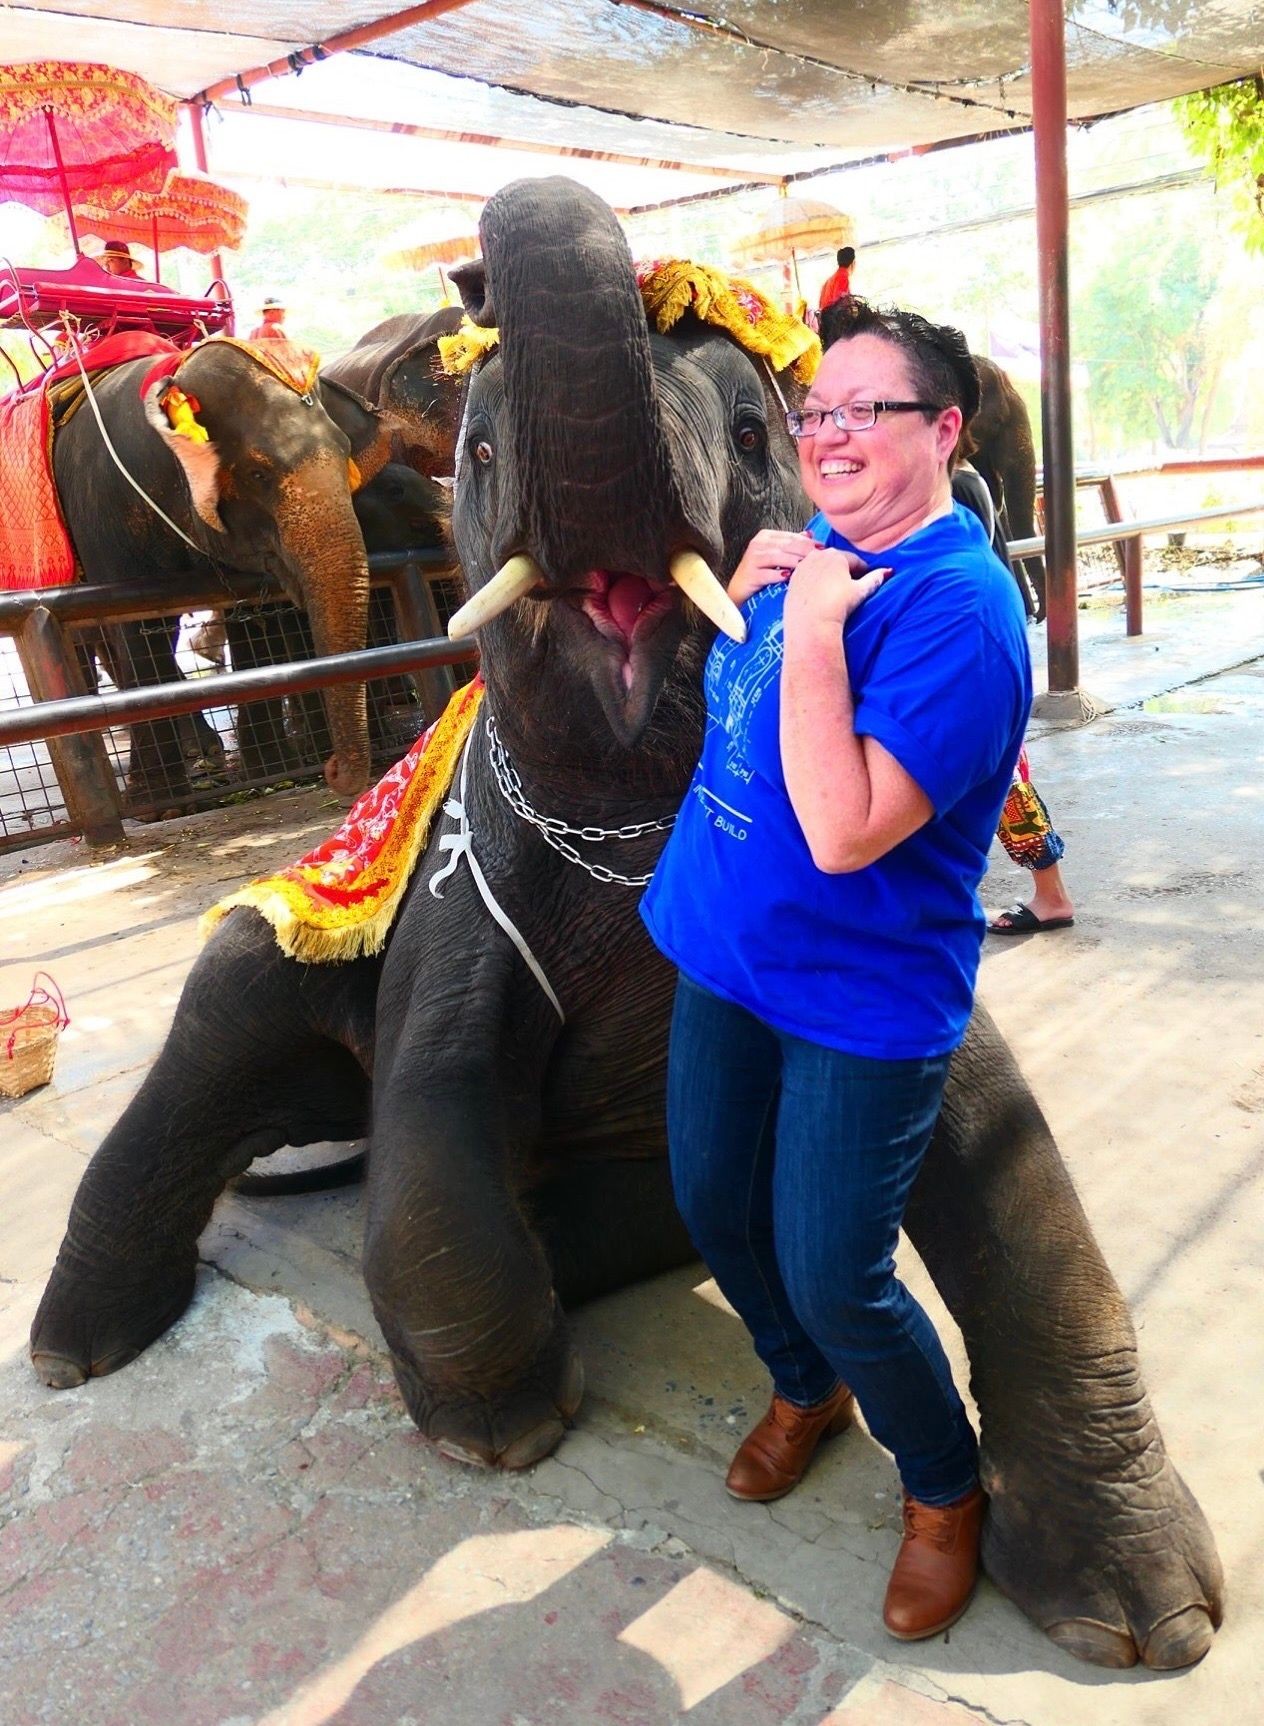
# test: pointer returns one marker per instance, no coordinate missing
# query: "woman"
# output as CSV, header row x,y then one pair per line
x,y
819,897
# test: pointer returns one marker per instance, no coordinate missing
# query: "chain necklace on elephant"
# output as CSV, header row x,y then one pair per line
x,y
558,833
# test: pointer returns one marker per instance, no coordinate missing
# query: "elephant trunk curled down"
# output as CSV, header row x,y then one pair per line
x,y
517,1148
267,489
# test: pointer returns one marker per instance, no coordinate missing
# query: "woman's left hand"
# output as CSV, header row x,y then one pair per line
x,y
827,587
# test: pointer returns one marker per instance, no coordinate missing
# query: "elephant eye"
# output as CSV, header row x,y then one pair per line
x,y
750,435
483,452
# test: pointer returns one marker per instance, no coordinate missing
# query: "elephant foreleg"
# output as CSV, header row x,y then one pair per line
x,y
259,1055
1090,1529
460,1281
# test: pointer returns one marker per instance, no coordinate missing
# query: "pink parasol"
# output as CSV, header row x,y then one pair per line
x,y
69,127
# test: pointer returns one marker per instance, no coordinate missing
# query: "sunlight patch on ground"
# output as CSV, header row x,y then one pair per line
x,y
709,1292
706,1632
92,882
483,1572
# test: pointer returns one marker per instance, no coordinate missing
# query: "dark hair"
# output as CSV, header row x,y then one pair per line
x,y
941,366
847,257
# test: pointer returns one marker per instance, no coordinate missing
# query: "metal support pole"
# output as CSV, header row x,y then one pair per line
x,y
194,111
82,767
1049,121
1129,552
417,619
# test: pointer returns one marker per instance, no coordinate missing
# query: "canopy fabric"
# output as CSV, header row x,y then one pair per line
x,y
770,88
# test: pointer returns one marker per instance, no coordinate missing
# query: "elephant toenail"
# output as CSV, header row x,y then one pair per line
x,y
458,1453
1096,1643
58,1372
533,1446
1180,1640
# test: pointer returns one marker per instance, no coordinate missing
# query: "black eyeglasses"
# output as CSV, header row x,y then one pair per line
x,y
851,416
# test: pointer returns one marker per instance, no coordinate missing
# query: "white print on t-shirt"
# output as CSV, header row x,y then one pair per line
x,y
722,816
734,706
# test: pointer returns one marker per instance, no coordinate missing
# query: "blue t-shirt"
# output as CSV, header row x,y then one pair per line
x,y
882,961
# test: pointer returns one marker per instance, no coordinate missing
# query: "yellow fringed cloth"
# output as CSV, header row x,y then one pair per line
x,y
670,288
339,901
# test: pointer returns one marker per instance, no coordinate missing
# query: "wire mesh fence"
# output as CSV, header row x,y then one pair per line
x,y
227,750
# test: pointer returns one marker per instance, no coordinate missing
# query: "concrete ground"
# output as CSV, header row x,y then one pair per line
x,y
243,1528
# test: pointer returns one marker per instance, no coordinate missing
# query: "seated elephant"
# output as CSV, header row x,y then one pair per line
x,y
608,464
237,468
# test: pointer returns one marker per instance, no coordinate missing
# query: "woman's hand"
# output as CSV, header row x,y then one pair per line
x,y
827,587
771,556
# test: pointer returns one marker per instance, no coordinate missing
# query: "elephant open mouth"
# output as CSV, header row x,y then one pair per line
x,y
625,609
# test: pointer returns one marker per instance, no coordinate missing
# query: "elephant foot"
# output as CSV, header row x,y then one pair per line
x,y
508,1429
84,1328
1114,1571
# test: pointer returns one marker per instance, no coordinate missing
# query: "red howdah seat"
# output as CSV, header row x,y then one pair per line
x,y
103,303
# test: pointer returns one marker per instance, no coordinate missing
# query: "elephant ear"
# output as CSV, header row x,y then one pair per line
x,y
471,284
197,456
366,428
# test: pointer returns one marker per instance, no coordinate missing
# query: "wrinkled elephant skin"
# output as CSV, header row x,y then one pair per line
x,y
269,492
395,365
516,1162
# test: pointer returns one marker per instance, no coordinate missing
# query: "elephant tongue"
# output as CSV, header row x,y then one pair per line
x,y
627,598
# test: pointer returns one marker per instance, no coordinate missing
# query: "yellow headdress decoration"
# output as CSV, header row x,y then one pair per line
x,y
670,289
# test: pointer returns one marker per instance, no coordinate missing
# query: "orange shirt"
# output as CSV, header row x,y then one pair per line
x,y
838,285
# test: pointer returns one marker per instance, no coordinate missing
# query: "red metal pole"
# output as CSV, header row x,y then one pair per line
x,y
1049,123
194,111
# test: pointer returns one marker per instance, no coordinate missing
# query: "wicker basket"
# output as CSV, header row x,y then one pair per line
x,y
28,1038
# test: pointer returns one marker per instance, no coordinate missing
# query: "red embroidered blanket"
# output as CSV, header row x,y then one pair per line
x,y
35,549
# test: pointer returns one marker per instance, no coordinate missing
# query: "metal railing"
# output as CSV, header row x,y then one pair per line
x,y
1128,535
64,717
75,726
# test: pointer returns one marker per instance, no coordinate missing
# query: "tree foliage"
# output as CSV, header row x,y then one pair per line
x,y
1225,126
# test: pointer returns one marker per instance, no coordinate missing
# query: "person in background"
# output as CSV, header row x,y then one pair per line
x,y
819,898
1025,828
1032,841
272,325
117,260
840,282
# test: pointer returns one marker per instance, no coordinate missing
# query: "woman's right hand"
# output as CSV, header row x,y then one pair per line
x,y
771,556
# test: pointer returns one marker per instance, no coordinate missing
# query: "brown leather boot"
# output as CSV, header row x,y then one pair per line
x,y
774,1455
936,1568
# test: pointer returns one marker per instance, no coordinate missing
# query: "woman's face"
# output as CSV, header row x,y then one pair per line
x,y
875,486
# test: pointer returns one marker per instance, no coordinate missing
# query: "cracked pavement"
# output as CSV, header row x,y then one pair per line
x,y
242,1528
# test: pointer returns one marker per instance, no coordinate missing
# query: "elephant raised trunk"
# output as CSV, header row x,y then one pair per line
x,y
579,384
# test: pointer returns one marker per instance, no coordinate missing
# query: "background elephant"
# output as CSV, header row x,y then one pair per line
x,y
516,1156
1005,454
397,510
270,491
395,365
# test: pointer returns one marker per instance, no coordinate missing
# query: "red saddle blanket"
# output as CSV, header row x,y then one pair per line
x,y
35,549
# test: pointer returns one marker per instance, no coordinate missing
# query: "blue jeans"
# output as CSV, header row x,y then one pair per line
x,y
792,1164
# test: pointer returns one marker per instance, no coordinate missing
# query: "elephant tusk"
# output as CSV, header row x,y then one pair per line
x,y
695,578
518,576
